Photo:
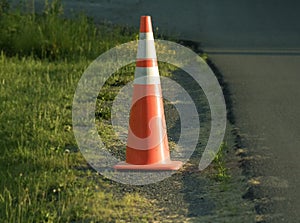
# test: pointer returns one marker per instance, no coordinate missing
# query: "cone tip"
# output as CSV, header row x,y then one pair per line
x,y
145,24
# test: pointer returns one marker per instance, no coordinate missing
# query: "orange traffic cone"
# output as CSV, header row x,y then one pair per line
x,y
147,143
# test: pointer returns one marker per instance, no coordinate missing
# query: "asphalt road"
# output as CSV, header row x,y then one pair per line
x,y
230,24
266,95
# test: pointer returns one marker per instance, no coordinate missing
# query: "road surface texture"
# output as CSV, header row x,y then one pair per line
x,y
265,93
255,44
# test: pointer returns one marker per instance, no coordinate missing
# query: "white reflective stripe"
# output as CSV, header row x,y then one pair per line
x,y
147,80
146,71
146,49
148,36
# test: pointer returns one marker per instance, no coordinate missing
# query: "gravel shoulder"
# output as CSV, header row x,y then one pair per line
x,y
193,196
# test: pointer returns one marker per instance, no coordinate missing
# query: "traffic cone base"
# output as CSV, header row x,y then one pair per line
x,y
168,165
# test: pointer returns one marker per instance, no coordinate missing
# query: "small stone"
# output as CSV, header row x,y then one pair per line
x,y
254,181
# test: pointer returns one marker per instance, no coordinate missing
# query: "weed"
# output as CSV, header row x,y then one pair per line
x,y
219,164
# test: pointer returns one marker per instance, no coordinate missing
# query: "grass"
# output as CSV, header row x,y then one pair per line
x,y
43,176
49,35
219,164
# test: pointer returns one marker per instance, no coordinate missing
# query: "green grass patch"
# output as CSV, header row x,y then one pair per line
x,y
44,177
220,170
50,35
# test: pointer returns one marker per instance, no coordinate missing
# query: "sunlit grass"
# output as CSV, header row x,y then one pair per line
x,y
44,178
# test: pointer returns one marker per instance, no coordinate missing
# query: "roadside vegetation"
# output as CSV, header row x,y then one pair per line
x,y
51,36
219,164
43,176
